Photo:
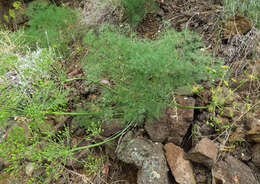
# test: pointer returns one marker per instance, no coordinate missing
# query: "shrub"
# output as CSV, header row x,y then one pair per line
x,y
49,26
142,74
135,10
30,86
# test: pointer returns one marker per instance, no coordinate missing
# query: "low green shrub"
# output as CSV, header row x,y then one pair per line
x,y
31,85
49,26
249,8
141,74
135,10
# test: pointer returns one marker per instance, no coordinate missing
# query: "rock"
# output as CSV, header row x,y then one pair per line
x,y
202,174
205,152
255,170
147,156
253,134
111,128
200,129
161,13
181,169
256,155
174,123
232,171
158,130
29,169
242,152
180,120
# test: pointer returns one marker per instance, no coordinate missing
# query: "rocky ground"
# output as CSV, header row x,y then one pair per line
x,y
186,146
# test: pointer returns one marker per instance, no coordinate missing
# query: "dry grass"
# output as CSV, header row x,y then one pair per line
x,y
96,12
9,44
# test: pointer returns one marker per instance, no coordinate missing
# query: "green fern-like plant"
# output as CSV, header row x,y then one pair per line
x,y
142,73
49,26
31,86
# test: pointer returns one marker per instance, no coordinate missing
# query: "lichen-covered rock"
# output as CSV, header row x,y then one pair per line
x,y
147,156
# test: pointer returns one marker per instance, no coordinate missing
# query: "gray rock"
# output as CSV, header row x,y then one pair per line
x,y
256,155
158,130
232,171
202,174
253,134
111,128
29,169
147,156
205,152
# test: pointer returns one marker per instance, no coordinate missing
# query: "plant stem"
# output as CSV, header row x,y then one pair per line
x,y
189,107
73,113
105,141
175,104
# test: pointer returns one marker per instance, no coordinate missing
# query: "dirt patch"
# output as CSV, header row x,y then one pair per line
x,y
150,26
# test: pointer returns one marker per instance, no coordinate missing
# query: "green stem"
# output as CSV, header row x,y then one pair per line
x,y
105,141
73,113
241,84
70,80
188,107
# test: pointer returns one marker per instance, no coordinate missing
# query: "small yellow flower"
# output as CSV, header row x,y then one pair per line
x,y
230,92
212,91
224,67
226,83
234,80
251,76
196,89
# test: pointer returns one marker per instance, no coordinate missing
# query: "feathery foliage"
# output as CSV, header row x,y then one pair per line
x,y
31,85
49,26
142,73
